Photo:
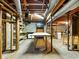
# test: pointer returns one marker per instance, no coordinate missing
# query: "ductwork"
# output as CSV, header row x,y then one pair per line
x,y
65,9
45,12
18,6
51,6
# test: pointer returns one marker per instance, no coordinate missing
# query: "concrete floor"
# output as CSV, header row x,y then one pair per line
x,y
26,51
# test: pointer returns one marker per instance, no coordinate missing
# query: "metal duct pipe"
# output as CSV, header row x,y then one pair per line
x,y
45,12
18,6
51,6
64,10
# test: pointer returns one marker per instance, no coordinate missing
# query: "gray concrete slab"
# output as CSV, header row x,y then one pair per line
x,y
27,51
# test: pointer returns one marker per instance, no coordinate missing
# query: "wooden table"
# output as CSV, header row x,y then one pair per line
x,y
43,34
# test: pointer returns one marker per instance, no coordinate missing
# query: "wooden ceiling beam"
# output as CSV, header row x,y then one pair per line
x,y
43,5
9,7
6,9
38,9
74,11
35,4
27,4
24,4
60,20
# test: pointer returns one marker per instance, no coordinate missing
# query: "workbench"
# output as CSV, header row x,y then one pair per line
x,y
41,34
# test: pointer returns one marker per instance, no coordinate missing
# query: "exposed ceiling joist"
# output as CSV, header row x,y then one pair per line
x,y
74,11
35,4
38,9
43,5
24,4
29,4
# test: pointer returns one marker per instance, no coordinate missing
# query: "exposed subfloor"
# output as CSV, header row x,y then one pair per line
x,y
26,51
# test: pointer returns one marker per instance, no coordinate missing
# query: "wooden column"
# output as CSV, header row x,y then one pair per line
x,y
6,34
17,34
0,32
46,37
11,37
68,17
51,33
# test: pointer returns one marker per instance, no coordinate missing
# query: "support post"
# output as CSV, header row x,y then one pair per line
x,y
46,38
51,36
6,34
0,32
68,17
11,37
51,33
17,34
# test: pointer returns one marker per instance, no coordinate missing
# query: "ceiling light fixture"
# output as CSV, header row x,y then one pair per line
x,y
66,22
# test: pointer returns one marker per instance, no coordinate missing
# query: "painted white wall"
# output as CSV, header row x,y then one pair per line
x,y
8,35
59,35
